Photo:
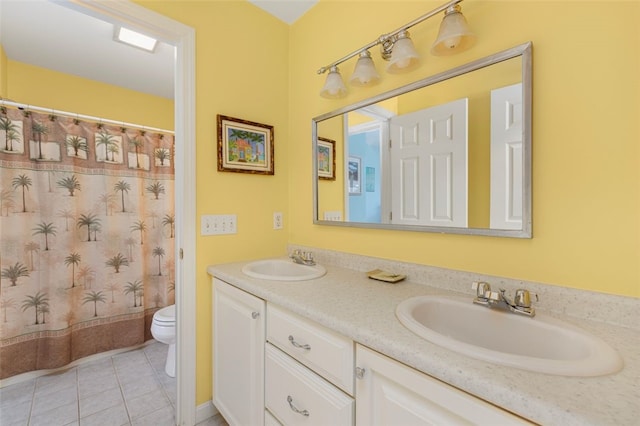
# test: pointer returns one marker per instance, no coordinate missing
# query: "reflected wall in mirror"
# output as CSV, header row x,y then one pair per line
x,y
449,154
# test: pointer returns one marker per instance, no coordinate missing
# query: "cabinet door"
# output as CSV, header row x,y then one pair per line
x,y
238,354
390,393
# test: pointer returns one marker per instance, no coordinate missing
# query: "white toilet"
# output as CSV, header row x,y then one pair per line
x,y
163,329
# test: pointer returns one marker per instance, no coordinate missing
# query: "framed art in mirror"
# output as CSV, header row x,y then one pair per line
x,y
355,174
244,146
326,159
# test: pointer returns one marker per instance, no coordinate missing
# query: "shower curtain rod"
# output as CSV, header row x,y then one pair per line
x,y
82,116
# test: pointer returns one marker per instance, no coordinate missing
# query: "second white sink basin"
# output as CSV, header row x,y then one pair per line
x,y
542,344
282,270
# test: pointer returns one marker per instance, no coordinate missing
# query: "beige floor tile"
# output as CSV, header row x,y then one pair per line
x,y
59,416
100,401
114,416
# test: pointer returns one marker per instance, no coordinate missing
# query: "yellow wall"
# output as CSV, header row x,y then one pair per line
x,y
241,71
586,109
51,89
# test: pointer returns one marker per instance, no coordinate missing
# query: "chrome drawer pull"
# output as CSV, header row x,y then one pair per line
x,y
294,409
360,373
298,345
255,315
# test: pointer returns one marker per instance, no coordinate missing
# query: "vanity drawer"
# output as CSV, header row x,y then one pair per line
x,y
326,352
297,395
269,420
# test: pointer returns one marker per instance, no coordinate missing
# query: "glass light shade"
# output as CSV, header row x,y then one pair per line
x,y
365,73
403,56
333,86
454,35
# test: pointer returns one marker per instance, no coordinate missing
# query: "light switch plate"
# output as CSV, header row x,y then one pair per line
x,y
219,224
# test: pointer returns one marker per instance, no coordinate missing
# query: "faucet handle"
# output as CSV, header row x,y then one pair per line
x,y
481,288
523,298
495,296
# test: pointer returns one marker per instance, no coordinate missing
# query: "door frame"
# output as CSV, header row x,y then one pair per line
x,y
183,38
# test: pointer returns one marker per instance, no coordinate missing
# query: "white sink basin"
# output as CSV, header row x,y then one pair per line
x,y
542,344
282,270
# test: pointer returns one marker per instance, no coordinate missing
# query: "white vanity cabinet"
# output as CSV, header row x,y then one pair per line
x,y
273,367
389,392
238,354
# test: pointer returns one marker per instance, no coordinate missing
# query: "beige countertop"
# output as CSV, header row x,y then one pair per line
x,y
362,309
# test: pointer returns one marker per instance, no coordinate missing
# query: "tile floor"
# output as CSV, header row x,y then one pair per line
x,y
129,388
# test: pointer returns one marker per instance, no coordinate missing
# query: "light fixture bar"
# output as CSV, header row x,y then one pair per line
x,y
385,37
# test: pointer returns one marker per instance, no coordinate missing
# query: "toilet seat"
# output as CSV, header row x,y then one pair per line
x,y
165,315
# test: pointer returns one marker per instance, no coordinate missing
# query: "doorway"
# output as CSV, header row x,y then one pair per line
x,y
183,38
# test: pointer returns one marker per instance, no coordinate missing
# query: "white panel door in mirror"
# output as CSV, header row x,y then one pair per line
x,y
429,166
507,160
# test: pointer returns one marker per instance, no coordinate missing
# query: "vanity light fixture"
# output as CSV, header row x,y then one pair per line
x,y
334,86
397,48
365,73
454,35
404,57
135,39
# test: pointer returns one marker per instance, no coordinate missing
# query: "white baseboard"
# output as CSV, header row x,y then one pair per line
x,y
206,410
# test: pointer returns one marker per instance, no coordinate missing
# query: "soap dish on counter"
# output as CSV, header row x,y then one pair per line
x,y
389,277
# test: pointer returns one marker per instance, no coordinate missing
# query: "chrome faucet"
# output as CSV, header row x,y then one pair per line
x,y
521,303
303,257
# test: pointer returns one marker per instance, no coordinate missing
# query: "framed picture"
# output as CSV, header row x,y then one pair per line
x,y
244,146
370,179
355,176
326,159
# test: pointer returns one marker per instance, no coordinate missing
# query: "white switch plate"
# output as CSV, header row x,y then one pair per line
x,y
335,215
277,220
219,224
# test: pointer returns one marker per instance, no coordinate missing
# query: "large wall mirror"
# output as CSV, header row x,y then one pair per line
x,y
449,154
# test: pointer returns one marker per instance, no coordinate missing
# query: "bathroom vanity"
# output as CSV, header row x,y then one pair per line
x,y
331,351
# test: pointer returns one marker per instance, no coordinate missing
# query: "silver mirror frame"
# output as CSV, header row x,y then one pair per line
x,y
525,52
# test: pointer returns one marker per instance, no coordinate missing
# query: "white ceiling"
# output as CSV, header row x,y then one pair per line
x,y
52,36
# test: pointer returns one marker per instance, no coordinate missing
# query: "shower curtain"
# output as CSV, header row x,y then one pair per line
x,y
86,237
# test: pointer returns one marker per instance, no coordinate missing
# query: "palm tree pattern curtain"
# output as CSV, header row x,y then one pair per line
x,y
87,237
